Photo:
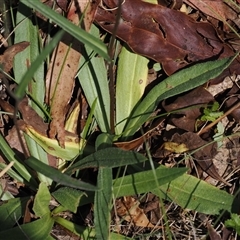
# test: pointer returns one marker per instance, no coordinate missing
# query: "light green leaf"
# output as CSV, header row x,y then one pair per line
x,y
130,85
179,82
234,222
192,193
93,79
57,176
41,201
69,198
11,211
51,146
81,35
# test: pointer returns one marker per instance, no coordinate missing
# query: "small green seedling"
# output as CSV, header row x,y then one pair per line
x,y
234,223
212,113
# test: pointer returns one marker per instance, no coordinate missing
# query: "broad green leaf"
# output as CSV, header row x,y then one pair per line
x,y
81,35
103,141
145,181
27,31
131,81
19,165
108,157
179,82
103,203
37,230
11,211
69,198
192,193
57,176
41,201
94,81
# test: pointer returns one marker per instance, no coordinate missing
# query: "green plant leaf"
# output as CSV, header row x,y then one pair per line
x,y
81,35
11,211
130,85
234,222
57,176
69,198
145,181
38,152
37,230
27,31
192,193
93,79
41,201
179,82
103,203
108,157
19,165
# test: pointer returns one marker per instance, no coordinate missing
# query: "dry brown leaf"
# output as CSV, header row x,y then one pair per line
x,y
63,69
165,35
128,208
217,9
7,58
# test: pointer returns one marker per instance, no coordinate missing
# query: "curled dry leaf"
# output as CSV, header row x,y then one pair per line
x,y
162,34
63,69
7,58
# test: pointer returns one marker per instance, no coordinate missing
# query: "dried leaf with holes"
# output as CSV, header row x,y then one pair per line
x,y
63,69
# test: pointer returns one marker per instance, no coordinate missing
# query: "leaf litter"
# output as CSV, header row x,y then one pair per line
x,y
176,39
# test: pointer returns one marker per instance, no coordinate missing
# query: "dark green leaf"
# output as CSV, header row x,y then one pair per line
x,y
37,230
57,176
145,181
11,211
108,157
192,193
68,197
103,203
